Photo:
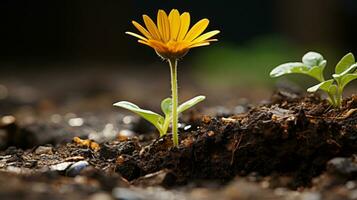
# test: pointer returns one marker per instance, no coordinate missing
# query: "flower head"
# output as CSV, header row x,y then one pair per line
x,y
172,38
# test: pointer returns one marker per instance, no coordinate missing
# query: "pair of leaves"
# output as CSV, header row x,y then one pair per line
x,y
345,72
166,106
326,86
313,64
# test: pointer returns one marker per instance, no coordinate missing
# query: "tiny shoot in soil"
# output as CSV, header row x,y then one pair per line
x,y
171,39
313,65
160,122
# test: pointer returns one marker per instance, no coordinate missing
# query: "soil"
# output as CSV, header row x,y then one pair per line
x,y
290,147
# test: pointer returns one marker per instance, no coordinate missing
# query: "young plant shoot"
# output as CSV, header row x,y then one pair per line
x,y
171,39
313,64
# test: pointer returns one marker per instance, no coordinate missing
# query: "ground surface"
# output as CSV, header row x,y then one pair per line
x,y
291,147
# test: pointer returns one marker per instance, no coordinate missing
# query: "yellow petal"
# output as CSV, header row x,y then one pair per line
x,y
163,25
142,29
150,25
200,45
197,29
146,43
174,19
137,36
212,40
205,36
157,45
143,42
184,26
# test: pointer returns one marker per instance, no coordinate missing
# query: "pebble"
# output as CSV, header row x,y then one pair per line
x,y
44,150
186,128
351,185
7,120
61,166
76,168
126,133
311,196
76,122
127,194
342,166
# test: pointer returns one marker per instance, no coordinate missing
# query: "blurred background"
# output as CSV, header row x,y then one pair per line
x,y
57,53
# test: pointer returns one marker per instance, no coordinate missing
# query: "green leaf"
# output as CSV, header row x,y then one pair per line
x,y
347,79
348,70
317,72
188,104
332,90
150,116
345,63
166,106
312,59
325,86
289,68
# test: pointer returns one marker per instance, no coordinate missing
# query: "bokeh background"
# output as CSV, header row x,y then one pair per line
x,y
56,52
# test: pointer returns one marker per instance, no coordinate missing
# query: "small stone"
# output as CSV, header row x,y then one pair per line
x,y
342,166
351,185
7,120
186,128
124,135
44,150
76,168
61,166
76,122
311,196
127,194
228,120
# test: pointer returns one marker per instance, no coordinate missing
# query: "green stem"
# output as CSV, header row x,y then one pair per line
x,y
173,69
339,96
165,126
332,99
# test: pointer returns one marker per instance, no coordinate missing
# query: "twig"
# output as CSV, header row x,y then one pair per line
x,y
348,114
237,143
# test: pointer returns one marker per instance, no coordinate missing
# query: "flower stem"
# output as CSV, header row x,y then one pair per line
x,y
173,69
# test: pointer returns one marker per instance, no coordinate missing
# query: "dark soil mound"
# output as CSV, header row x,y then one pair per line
x,y
294,137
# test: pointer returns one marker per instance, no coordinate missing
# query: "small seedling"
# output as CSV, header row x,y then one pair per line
x,y
171,39
313,64
160,122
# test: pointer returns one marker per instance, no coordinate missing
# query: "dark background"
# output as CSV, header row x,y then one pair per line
x,y
82,30
71,50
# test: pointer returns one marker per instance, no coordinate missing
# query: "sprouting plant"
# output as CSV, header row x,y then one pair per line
x,y
313,64
160,122
172,38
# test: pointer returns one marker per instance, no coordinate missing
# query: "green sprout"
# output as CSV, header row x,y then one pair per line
x,y
313,65
160,122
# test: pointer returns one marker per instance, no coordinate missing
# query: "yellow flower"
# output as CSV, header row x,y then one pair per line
x,y
172,38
